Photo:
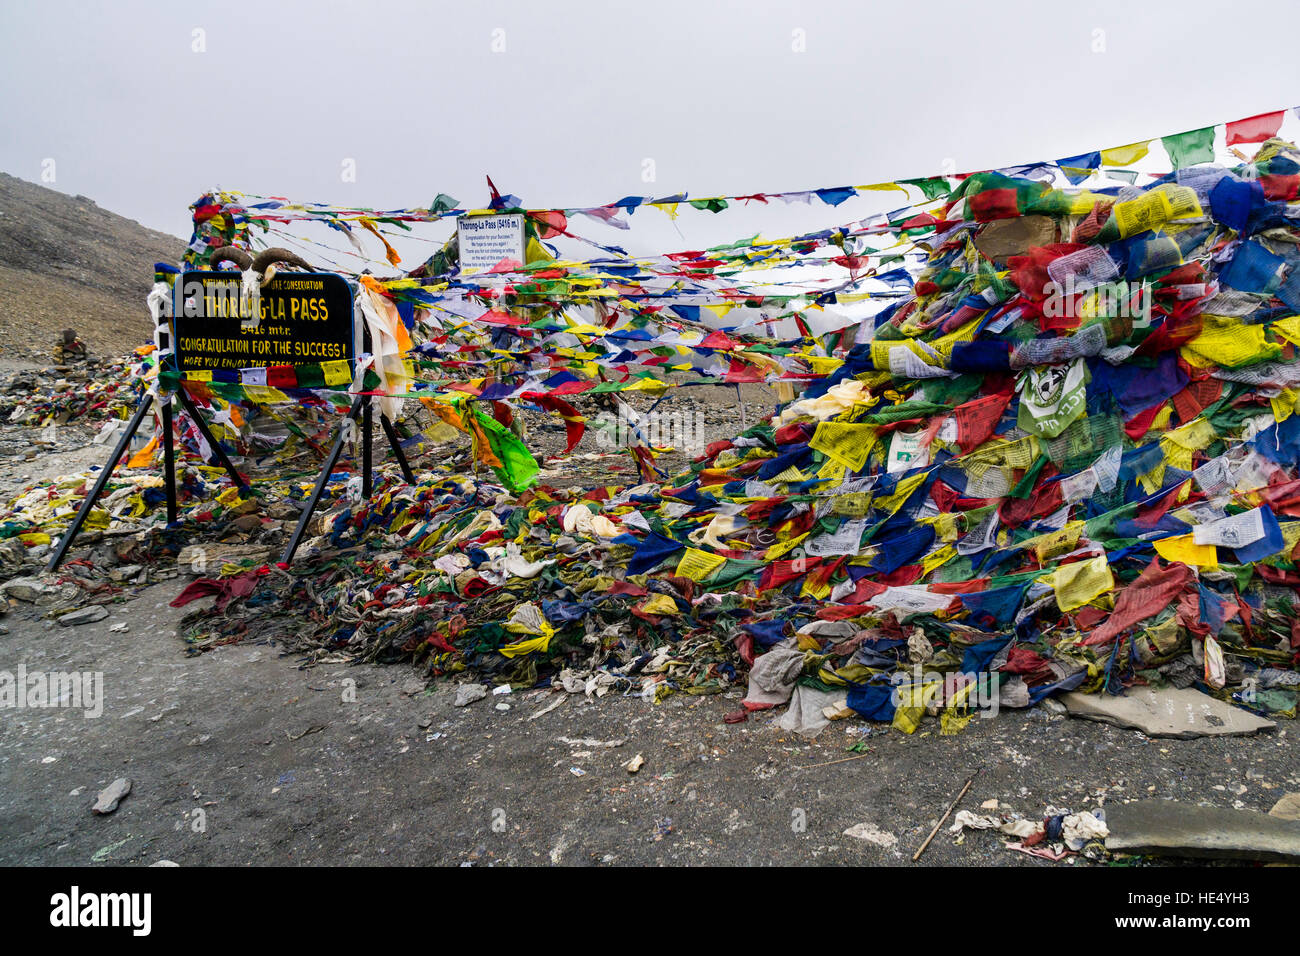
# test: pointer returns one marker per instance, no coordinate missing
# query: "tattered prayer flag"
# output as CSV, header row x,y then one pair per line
x,y
1125,155
709,205
550,223
835,196
847,443
1078,583
518,469
976,420
530,646
1078,168
660,605
1255,129
1156,588
698,565
1188,149
934,188
442,203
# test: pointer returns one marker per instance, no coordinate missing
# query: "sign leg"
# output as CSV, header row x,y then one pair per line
x,y
98,488
367,434
169,458
395,443
321,480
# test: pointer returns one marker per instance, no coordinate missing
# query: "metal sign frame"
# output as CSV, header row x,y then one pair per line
x,y
164,338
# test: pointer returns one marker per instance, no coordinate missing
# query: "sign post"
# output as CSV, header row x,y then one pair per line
x,y
295,318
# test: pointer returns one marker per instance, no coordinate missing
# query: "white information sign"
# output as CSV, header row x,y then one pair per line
x,y
486,240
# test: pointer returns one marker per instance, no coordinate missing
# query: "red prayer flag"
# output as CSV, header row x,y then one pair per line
x,y
1255,129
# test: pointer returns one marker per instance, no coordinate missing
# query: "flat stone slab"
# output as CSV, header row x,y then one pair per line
x,y
1166,828
85,615
1167,712
29,589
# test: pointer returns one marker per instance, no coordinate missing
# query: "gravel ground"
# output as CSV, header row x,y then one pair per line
x,y
240,757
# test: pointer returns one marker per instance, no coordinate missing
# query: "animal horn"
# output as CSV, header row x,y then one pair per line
x,y
269,256
230,254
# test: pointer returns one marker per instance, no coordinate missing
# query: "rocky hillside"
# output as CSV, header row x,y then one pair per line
x,y
65,263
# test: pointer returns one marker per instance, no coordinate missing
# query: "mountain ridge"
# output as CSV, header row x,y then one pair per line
x,y
67,263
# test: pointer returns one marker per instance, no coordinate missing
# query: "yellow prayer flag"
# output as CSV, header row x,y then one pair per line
x,y
264,394
1183,549
782,547
661,604
1048,546
337,372
845,442
698,565
1146,212
1078,583
1228,342
902,491
519,648
1125,155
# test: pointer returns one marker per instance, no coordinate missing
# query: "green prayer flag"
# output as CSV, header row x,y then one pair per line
x,y
1188,149
518,469
710,205
933,188
442,203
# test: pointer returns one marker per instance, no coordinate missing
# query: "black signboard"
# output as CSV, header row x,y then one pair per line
x,y
299,318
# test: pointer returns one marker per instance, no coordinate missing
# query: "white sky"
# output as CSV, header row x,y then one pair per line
x,y
584,92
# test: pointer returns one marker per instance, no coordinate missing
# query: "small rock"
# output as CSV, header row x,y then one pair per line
x,y
413,686
1288,808
84,615
466,694
284,511
27,589
111,796
872,834
635,764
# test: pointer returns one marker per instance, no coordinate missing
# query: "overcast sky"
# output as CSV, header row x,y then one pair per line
x,y
144,106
